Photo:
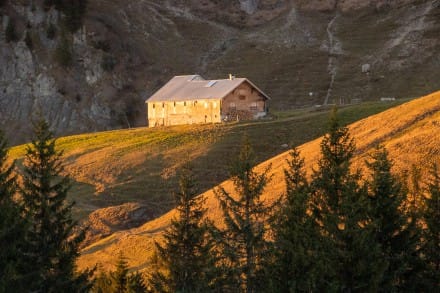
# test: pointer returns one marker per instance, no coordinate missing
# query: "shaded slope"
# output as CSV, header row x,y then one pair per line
x,y
411,133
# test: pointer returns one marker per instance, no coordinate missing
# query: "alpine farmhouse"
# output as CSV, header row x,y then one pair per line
x,y
189,99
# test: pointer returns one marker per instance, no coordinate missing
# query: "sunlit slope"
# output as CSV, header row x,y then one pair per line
x,y
411,133
139,165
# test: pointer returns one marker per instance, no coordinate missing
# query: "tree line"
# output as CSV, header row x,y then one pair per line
x,y
332,231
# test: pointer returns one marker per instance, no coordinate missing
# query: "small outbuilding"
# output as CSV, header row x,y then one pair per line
x,y
189,99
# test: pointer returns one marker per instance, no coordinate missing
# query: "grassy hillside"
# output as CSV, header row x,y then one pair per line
x,y
139,165
411,133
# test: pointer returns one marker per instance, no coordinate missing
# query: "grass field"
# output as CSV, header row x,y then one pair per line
x,y
139,165
410,132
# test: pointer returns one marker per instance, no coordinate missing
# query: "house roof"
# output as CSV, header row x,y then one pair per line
x,y
195,87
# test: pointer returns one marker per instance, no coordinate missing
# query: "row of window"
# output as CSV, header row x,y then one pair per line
x,y
214,104
232,105
252,107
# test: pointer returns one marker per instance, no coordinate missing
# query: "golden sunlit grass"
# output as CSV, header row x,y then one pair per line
x,y
411,133
139,165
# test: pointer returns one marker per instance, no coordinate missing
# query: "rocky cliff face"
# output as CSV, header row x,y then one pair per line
x,y
299,52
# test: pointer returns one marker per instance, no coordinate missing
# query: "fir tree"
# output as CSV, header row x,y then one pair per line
x,y
119,278
102,283
431,233
52,237
135,283
243,240
296,238
185,263
12,226
340,208
393,229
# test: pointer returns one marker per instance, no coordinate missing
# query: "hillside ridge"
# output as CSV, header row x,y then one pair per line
x,y
124,51
417,144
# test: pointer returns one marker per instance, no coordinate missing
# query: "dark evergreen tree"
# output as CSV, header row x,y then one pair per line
x,y
243,243
102,283
296,236
184,260
393,229
12,226
340,208
431,233
53,238
135,283
119,278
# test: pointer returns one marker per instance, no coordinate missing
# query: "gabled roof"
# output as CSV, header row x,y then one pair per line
x,y
195,87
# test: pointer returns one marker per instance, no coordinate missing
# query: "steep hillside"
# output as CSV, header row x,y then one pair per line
x,y
139,165
410,132
299,52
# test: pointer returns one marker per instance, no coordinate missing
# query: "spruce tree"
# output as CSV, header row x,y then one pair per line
x,y
53,238
243,242
394,231
431,233
135,283
102,283
296,237
184,260
119,278
12,226
340,208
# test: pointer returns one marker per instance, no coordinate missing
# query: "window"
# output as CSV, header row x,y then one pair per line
x,y
232,106
211,83
163,105
154,106
253,106
242,97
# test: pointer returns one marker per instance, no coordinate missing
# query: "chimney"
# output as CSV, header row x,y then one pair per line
x,y
231,77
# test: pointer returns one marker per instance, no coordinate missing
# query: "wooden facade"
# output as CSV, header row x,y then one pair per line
x,y
183,112
225,100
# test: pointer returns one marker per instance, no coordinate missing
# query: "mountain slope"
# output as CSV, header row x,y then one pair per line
x,y
410,132
299,52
